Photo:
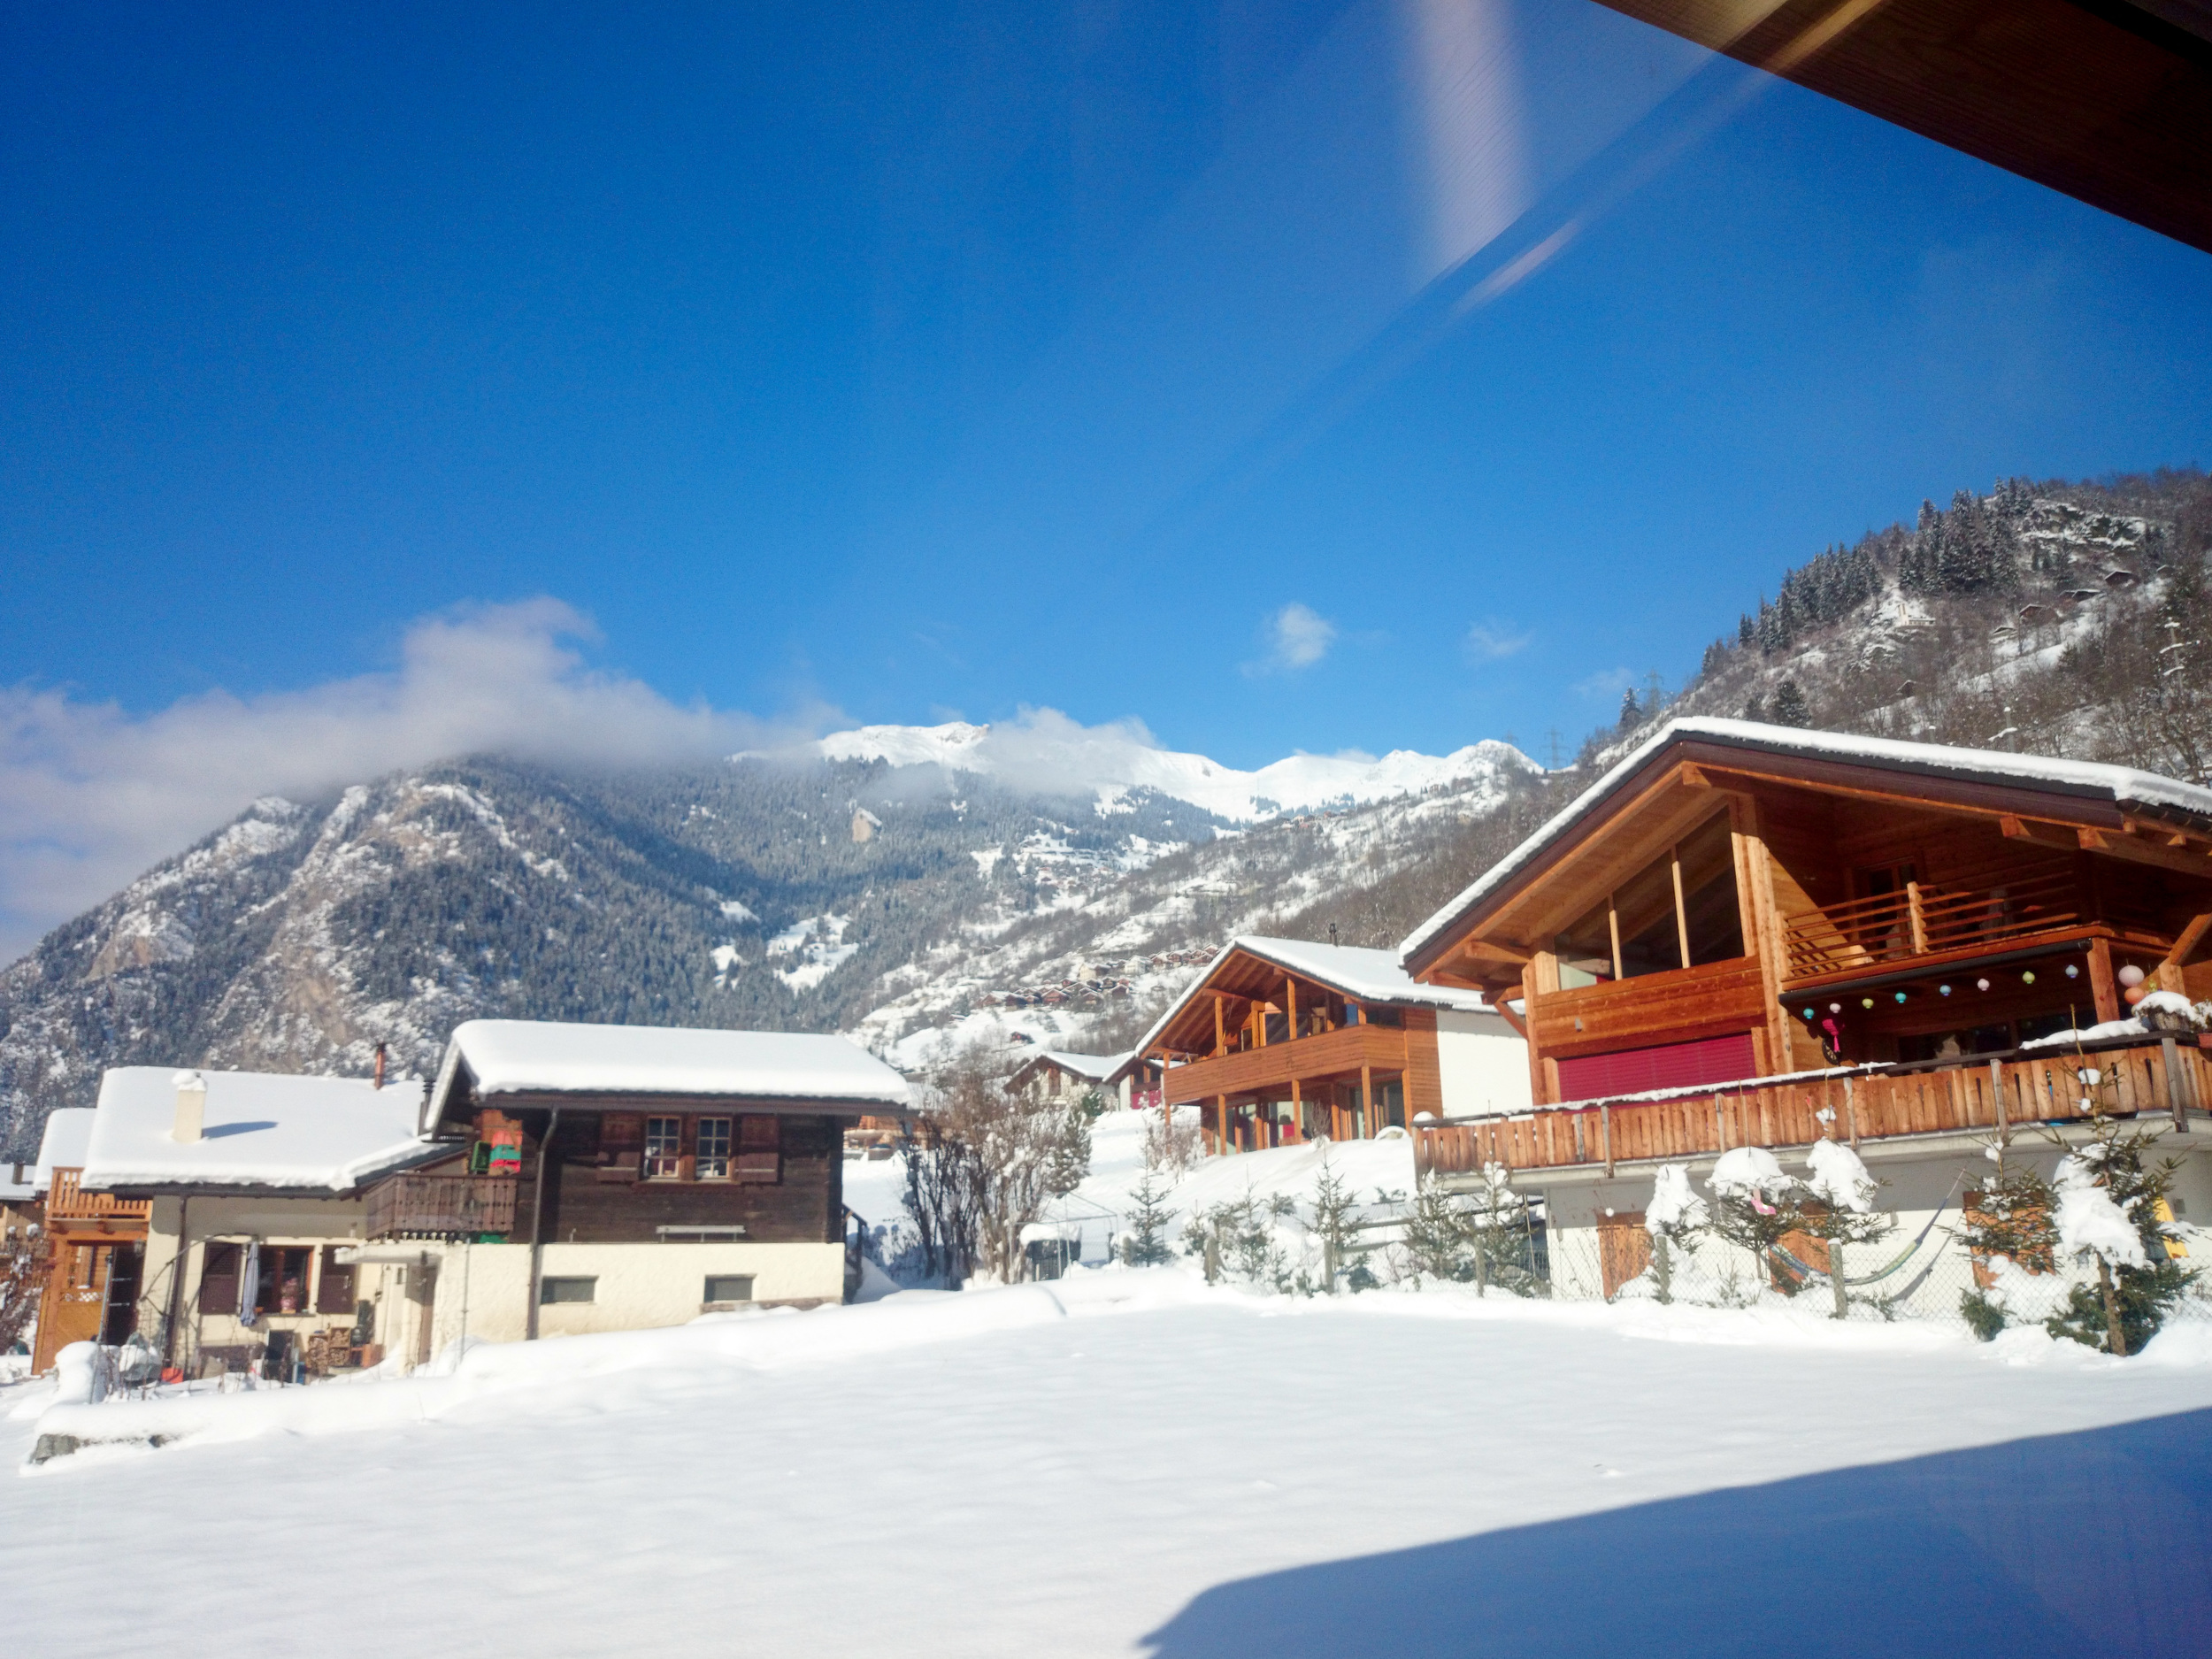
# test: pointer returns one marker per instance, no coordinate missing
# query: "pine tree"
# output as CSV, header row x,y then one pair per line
x,y
1790,707
1331,1222
1145,1244
1631,712
2132,1299
2009,1217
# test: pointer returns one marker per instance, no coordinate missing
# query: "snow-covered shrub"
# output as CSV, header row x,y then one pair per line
x,y
1675,1214
1237,1238
2168,1010
2108,1195
1755,1206
1172,1141
1842,1212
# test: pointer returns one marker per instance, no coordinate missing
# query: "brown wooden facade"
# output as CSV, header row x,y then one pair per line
x,y
1274,1057
1822,910
628,1170
97,1242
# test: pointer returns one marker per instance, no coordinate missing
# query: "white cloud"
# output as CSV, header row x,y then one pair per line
x,y
1298,637
1608,683
91,795
1489,641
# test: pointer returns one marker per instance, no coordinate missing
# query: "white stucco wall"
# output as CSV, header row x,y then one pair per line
x,y
640,1286
1483,1063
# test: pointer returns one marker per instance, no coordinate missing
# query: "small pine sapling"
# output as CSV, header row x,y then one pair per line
x,y
1756,1206
1844,1213
1438,1236
1145,1244
1331,1222
2109,1196
2006,1224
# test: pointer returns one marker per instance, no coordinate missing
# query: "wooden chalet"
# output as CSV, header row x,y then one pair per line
x,y
621,1176
1747,934
1057,1074
1281,1041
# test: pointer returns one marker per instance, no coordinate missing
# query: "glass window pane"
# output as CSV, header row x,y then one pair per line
x,y
1709,887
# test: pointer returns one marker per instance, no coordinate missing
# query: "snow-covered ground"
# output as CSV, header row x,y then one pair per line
x,y
1130,1462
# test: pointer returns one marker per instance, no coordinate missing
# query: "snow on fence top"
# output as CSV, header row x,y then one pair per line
x,y
2118,786
259,1129
68,1133
522,1056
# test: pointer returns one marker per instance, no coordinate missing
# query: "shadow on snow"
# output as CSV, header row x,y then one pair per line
x,y
2092,1543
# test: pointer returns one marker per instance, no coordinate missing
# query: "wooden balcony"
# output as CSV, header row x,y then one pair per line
x,y
442,1207
1266,1072
1966,1096
1924,923
68,1201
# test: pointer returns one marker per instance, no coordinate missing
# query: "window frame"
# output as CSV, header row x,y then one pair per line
x,y
713,1166
546,1298
672,1159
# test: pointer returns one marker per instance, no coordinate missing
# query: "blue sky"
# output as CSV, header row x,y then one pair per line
x,y
908,363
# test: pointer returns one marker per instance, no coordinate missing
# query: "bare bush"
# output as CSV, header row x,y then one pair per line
x,y
982,1164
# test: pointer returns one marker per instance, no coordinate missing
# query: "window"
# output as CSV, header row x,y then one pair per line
x,y
553,1290
1678,911
713,1150
334,1291
729,1288
664,1147
284,1271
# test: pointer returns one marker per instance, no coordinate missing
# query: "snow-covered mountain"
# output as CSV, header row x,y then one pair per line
x,y
1108,763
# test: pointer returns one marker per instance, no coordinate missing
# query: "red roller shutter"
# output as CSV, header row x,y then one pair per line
x,y
1669,1066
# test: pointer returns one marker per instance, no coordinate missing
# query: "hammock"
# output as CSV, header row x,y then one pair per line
x,y
1804,1270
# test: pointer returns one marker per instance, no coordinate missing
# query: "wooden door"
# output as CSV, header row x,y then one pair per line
x,y
1623,1249
75,1305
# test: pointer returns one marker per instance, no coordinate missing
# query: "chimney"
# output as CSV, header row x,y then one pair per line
x,y
191,1105
377,1081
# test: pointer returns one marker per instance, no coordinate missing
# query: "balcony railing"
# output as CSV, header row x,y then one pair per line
x,y
67,1201
442,1207
1969,1096
1923,921
1333,1054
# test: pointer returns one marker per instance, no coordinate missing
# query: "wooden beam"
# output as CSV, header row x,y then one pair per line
x,y
1491,950
2168,972
1509,1017
1693,777
2143,850
1221,1031
1681,907
2103,985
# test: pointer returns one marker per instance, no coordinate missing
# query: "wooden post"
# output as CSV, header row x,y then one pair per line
x,y
1290,1002
1720,1121
1851,1113
2174,1098
1681,906
1997,1102
1221,1031
1297,1114
2103,985
1915,919
1366,1103
1221,1123
1613,919
1605,1130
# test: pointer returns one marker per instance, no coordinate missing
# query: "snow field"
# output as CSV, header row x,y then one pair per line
x,y
1060,1469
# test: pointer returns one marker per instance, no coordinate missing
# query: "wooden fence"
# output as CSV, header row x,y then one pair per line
x,y
1984,1095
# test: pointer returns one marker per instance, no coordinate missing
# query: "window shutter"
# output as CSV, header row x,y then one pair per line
x,y
334,1291
219,1279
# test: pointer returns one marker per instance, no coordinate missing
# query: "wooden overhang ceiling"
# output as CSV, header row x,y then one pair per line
x,y
2108,101
1683,782
1242,979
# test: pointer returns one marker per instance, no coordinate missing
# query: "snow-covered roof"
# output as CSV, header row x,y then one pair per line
x,y
68,1133
1362,973
2121,786
268,1130
1094,1068
524,1056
